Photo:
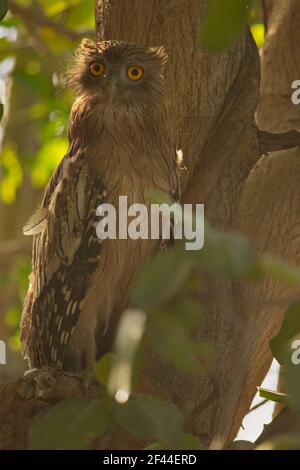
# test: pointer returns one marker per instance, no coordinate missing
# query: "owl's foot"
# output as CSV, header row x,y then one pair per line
x,y
56,384
37,383
87,378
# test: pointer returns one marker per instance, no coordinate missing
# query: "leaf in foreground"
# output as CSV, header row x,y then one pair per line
x,y
284,442
273,395
224,23
150,419
281,345
161,278
3,8
71,425
188,442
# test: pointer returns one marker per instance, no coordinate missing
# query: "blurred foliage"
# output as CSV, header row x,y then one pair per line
x,y
272,395
75,423
256,22
39,38
3,8
281,345
16,282
284,442
226,20
37,41
285,347
12,174
258,32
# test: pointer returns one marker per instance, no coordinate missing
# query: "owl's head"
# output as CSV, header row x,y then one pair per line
x,y
117,72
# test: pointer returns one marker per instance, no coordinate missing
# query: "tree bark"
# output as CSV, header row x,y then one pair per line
x,y
269,208
212,100
23,401
284,423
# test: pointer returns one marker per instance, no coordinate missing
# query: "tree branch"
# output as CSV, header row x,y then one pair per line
x,y
270,142
24,400
35,17
283,423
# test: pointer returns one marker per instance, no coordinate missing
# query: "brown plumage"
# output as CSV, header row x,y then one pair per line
x,y
119,144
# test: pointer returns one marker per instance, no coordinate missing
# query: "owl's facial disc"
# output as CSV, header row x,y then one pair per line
x,y
120,84
114,83
117,83
116,73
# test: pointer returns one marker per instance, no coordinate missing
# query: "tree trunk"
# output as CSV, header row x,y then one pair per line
x,y
213,100
269,207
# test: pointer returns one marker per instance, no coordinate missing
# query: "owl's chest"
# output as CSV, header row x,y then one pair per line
x,y
134,170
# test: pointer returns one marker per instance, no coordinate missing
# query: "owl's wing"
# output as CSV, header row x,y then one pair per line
x,y
66,252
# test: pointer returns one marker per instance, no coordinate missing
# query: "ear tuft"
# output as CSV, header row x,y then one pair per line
x,y
160,52
86,46
77,67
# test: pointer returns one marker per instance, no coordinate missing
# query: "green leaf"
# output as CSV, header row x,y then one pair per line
x,y
273,395
12,317
5,48
292,383
12,174
188,442
56,7
185,310
227,255
281,344
47,159
71,425
11,22
166,333
258,32
82,15
161,278
3,8
224,23
150,419
284,442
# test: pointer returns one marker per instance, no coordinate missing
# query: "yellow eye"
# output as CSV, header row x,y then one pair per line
x,y
97,69
135,72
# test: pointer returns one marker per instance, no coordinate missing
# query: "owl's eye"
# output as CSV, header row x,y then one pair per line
x,y
135,73
97,69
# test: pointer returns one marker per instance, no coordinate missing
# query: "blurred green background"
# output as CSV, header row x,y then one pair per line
x,y
37,40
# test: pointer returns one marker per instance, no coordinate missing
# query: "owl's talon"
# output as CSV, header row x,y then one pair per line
x,y
37,383
87,378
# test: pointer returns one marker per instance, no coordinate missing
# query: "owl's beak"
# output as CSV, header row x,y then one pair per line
x,y
112,90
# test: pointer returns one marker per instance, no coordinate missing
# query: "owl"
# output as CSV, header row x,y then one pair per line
x,y
120,143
